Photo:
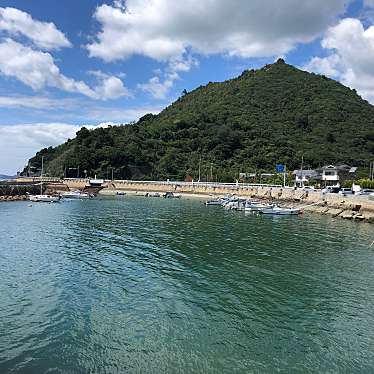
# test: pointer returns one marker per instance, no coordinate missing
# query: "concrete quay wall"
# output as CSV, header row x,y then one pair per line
x,y
349,207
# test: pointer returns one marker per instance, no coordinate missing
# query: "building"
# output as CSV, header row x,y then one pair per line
x,y
334,175
305,177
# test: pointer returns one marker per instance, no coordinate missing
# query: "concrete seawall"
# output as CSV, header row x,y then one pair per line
x,y
352,207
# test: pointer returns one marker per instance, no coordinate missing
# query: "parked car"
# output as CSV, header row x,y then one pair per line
x,y
346,191
365,192
331,189
307,188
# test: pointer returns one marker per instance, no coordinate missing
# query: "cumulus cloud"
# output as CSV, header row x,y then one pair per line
x,y
351,48
20,142
165,29
37,70
43,34
324,65
159,88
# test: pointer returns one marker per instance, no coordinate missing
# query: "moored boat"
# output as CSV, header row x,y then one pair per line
x,y
256,206
76,195
44,198
171,195
217,202
276,210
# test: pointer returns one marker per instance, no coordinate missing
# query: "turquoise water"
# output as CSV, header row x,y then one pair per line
x,y
136,285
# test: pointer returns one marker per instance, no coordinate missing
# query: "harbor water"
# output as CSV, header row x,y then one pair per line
x,y
145,285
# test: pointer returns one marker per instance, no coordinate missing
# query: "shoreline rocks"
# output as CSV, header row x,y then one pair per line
x,y
13,198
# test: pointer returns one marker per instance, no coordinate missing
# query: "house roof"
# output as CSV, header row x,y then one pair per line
x,y
306,173
340,167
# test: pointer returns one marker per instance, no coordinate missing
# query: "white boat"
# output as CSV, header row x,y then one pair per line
x,y
76,195
152,194
276,210
257,206
44,198
171,195
214,202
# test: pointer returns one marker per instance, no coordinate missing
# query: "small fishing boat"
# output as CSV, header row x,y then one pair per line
x,y
256,206
76,195
217,202
152,194
171,195
44,198
276,210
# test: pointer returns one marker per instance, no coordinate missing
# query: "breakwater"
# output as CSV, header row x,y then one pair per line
x,y
15,192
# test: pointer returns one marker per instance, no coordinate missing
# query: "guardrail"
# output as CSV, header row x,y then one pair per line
x,y
166,183
197,184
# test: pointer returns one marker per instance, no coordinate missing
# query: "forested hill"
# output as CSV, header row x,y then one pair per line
x,y
263,117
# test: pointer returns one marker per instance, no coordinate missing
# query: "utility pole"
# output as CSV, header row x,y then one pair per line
x,y
112,175
199,168
211,172
302,165
78,171
284,176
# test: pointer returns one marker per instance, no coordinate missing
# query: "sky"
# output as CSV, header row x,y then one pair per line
x,y
68,64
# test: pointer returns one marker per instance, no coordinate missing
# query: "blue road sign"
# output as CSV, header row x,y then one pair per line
x,y
280,168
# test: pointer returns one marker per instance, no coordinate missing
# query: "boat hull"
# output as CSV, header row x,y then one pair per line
x,y
281,212
44,199
82,196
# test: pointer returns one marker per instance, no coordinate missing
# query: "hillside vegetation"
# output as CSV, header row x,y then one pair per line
x,y
263,117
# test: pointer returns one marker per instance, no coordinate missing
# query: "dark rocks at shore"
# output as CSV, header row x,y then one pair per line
x,y
13,197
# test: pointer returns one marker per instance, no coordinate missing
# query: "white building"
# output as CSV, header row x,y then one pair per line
x,y
303,177
335,175
330,175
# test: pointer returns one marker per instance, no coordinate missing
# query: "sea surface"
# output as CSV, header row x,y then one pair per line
x,y
147,285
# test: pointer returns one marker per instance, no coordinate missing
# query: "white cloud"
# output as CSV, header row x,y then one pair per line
x,y
110,87
43,34
324,65
34,102
20,142
351,58
158,88
165,29
37,70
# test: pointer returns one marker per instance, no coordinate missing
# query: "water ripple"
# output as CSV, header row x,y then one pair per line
x,y
152,285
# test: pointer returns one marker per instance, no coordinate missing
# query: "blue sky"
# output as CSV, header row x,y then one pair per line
x,y
64,64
